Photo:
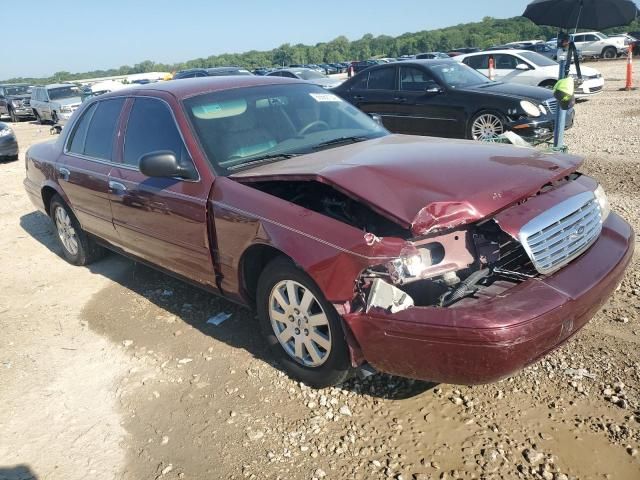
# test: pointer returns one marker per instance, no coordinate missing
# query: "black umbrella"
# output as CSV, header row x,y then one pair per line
x,y
591,14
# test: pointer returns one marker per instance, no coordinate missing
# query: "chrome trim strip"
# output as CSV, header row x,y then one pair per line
x,y
416,117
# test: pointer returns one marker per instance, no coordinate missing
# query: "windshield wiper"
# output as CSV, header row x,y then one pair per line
x,y
338,141
263,159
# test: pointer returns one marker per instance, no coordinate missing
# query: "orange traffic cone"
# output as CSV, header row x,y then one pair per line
x,y
629,85
492,68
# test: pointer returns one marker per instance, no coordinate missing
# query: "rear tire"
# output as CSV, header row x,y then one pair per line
x,y
310,345
77,247
609,53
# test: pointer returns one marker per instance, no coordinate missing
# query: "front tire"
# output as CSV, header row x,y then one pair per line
x,y
77,247
486,126
302,329
38,117
54,117
14,117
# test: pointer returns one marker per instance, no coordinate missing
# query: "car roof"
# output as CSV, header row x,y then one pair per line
x,y
57,85
493,52
189,87
14,84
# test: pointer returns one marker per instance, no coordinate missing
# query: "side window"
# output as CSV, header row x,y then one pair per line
x,y
506,62
591,38
382,79
78,136
360,83
150,128
44,94
288,75
100,134
578,38
415,80
477,62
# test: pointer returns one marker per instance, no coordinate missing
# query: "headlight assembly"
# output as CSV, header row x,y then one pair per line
x,y
65,109
603,202
530,108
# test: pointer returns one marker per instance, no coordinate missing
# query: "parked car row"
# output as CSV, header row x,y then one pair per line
x,y
435,259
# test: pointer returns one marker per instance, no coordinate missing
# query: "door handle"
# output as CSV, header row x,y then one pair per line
x,y
117,187
400,99
358,97
64,173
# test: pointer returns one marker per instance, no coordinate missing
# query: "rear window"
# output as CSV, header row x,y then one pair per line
x,y
478,62
100,134
79,134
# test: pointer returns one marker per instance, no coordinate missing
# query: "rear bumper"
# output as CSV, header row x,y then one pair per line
x,y
495,338
34,194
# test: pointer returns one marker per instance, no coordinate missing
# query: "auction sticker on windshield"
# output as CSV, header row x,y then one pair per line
x,y
325,97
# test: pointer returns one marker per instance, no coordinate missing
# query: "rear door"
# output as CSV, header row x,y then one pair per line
x,y
161,220
84,167
374,93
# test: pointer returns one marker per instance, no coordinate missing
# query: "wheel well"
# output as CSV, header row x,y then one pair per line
x,y
253,262
609,47
47,195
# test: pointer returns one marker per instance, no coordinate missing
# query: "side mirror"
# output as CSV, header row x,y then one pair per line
x,y
522,66
377,119
164,163
434,89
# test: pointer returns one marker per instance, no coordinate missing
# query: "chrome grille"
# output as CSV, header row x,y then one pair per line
x,y
562,233
552,105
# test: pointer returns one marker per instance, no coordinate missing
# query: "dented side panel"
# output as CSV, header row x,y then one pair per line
x,y
331,252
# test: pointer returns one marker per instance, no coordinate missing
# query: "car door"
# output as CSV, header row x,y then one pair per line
x,y
83,170
422,106
160,220
374,94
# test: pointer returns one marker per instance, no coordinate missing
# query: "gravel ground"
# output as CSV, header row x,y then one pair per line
x,y
112,372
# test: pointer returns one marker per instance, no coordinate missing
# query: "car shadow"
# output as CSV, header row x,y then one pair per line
x,y
194,306
19,472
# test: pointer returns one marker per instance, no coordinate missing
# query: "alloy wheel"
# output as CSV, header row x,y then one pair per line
x,y
487,127
299,323
66,232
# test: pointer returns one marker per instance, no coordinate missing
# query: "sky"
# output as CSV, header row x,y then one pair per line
x,y
83,35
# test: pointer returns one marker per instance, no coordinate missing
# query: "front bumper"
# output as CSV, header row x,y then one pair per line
x,y
8,147
494,338
539,130
23,112
590,87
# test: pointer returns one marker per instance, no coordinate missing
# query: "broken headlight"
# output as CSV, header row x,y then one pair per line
x,y
413,262
603,202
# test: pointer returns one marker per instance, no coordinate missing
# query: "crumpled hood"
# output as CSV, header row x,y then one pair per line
x,y
426,184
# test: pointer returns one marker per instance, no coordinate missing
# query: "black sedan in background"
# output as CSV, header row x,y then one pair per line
x,y
444,98
8,143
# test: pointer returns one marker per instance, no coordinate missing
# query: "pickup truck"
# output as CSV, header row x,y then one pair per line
x,y
438,259
15,101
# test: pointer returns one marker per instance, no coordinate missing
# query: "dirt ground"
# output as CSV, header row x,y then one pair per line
x,y
111,372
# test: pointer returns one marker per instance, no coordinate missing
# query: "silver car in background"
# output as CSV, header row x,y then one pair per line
x,y
307,74
55,102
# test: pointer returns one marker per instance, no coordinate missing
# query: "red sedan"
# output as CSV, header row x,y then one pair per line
x,y
444,260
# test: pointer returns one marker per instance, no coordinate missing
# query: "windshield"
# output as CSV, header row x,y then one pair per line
x,y
63,92
309,74
537,59
458,75
243,125
18,90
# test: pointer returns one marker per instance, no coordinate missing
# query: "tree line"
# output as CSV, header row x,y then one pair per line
x,y
490,31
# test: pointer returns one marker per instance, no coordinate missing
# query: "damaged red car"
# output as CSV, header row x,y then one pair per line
x,y
444,260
